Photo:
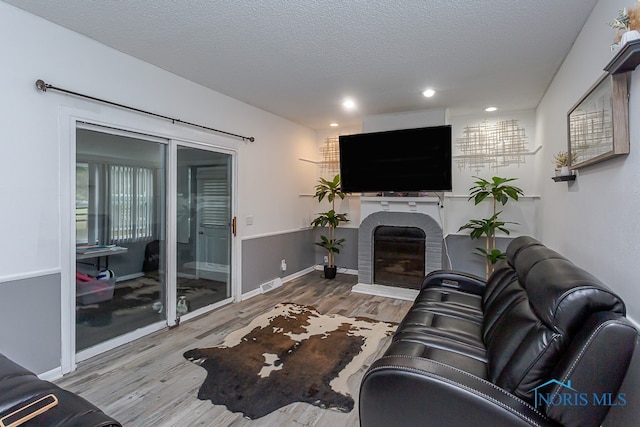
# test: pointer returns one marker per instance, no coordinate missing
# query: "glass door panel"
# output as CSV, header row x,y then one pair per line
x,y
204,219
120,227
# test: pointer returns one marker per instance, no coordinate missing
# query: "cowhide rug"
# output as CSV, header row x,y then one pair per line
x,y
290,354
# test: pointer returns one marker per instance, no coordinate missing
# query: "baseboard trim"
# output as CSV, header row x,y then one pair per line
x,y
296,275
386,291
250,294
129,277
319,267
52,375
285,279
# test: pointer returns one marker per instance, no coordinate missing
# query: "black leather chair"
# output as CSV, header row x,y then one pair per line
x,y
25,400
541,343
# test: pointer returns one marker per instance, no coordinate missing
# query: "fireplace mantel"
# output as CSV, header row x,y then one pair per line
x,y
426,205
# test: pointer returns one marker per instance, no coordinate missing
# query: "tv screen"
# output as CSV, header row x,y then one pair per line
x,y
407,160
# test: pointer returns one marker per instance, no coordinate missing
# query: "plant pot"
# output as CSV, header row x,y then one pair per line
x,y
564,171
629,36
330,272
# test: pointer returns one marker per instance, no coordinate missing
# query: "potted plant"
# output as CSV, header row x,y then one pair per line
x,y
330,219
561,160
627,24
499,189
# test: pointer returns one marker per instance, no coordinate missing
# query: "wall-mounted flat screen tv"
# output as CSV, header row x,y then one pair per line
x,y
407,160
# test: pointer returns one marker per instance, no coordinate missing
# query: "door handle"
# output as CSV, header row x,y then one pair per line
x,y
233,226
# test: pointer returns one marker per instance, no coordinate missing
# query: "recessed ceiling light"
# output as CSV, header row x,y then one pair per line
x,y
334,125
490,109
349,104
429,93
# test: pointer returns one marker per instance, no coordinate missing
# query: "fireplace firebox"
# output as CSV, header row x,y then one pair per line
x,y
399,256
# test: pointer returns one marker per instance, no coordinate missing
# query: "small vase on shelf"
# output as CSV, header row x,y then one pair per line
x,y
629,36
564,171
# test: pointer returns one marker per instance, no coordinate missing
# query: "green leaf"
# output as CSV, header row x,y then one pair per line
x,y
492,256
332,245
480,197
329,189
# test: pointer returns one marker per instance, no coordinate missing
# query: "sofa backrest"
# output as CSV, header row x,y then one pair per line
x,y
537,302
584,385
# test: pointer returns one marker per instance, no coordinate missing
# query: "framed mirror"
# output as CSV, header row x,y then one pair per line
x,y
598,124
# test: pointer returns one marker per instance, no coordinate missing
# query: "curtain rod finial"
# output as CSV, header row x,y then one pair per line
x,y
41,85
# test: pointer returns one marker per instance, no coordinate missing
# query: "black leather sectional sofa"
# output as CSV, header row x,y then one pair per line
x,y
541,343
25,400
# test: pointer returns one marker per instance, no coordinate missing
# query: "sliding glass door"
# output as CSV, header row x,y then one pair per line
x,y
120,228
204,228
130,278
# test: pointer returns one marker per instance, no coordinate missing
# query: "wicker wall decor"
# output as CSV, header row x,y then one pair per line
x,y
491,145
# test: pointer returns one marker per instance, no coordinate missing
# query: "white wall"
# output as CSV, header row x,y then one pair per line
x,y
592,221
36,153
459,210
30,180
405,120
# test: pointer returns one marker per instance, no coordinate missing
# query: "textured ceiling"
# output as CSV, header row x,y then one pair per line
x,y
299,59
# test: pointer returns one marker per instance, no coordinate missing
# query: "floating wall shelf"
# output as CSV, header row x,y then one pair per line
x,y
627,59
562,178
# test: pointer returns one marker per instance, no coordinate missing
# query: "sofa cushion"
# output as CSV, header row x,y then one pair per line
x,y
466,359
529,325
528,257
500,308
517,245
447,296
426,322
502,276
563,296
522,352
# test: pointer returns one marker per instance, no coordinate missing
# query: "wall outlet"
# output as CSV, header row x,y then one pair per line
x,y
326,259
283,265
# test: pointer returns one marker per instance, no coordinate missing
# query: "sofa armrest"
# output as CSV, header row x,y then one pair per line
x,y
29,411
407,390
19,388
458,280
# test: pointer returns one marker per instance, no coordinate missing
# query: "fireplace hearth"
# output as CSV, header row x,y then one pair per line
x,y
399,256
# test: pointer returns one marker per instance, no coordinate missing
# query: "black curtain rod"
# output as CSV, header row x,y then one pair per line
x,y
41,85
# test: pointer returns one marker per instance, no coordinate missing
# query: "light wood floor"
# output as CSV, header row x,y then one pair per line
x,y
149,383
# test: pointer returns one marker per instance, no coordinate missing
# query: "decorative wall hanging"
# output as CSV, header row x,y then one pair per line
x,y
330,154
598,124
496,144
